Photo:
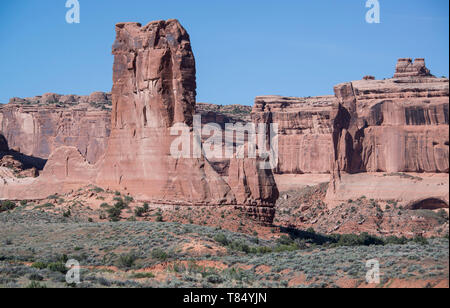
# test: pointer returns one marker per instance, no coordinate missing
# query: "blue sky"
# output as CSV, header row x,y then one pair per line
x,y
243,48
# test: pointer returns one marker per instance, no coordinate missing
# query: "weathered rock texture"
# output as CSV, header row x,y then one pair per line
x,y
304,126
223,114
394,125
155,88
408,68
66,165
37,126
65,171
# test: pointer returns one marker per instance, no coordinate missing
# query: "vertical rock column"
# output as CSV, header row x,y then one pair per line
x,y
155,88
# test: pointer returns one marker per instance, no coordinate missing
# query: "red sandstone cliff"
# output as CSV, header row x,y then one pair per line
x,y
305,128
37,126
393,125
398,112
154,89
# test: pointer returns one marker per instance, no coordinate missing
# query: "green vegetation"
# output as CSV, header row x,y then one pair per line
x,y
36,285
140,211
57,266
97,190
143,275
115,212
128,199
126,261
159,254
7,205
187,255
44,206
297,240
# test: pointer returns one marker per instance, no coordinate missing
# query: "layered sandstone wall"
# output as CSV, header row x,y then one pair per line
x,y
154,90
389,127
222,115
392,125
304,127
37,126
405,119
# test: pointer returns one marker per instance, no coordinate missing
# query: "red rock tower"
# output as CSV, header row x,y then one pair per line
x,y
154,88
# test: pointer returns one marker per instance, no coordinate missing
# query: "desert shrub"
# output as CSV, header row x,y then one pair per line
x,y
311,230
159,254
35,277
128,199
39,265
97,189
104,282
7,205
261,250
57,267
114,213
143,275
395,240
239,246
146,207
442,213
45,206
120,204
126,261
139,211
285,240
159,217
419,239
221,239
281,248
363,239
215,279
36,285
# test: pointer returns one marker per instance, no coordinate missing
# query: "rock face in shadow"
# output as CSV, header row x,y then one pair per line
x,y
37,126
3,144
